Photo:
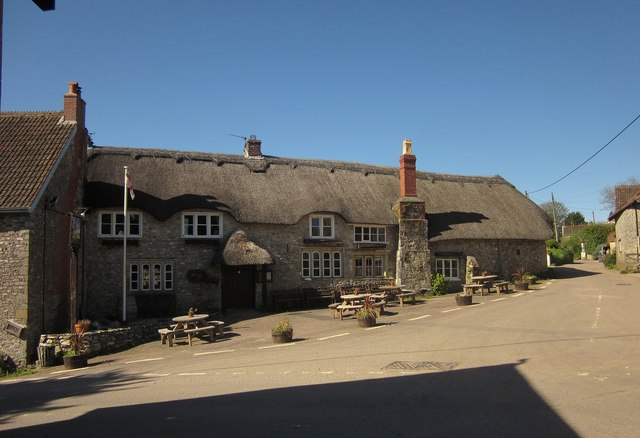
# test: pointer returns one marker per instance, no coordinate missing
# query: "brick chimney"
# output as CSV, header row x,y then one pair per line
x,y
74,106
407,171
252,148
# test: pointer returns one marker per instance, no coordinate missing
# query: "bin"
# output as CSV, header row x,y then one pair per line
x,y
46,355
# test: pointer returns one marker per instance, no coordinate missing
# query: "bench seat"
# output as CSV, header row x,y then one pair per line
x,y
501,286
209,330
470,289
406,294
341,308
169,334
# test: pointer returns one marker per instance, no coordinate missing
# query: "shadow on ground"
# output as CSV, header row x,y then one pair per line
x,y
566,272
482,402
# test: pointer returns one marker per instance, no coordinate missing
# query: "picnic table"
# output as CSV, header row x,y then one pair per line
x,y
191,325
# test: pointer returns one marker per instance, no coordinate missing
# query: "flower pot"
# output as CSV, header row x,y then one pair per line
x,y
367,321
464,300
79,328
521,285
282,338
73,362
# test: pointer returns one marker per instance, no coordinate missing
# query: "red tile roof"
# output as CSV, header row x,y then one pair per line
x,y
30,145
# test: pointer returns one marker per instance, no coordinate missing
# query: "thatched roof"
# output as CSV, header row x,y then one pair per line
x,y
273,190
241,251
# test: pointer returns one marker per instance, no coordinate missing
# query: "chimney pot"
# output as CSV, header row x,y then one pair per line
x,y
407,171
74,106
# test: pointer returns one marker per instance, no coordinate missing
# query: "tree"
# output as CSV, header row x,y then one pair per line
x,y
561,212
575,218
608,193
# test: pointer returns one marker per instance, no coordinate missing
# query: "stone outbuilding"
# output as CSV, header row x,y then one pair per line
x,y
627,220
42,156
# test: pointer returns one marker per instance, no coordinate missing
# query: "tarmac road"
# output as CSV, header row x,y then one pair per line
x,y
561,360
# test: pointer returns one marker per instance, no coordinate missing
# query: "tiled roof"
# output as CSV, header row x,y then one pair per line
x,y
30,145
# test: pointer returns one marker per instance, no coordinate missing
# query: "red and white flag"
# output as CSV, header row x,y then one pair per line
x,y
130,187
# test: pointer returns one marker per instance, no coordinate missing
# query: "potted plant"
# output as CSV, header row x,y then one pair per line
x,y
82,325
75,356
520,280
366,315
464,299
283,332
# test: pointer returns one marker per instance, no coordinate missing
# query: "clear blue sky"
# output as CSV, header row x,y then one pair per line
x,y
524,89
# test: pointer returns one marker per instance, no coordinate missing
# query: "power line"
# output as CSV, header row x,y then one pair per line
x,y
588,159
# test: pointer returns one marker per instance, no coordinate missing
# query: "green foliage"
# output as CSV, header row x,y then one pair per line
x,y
575,218
560,256
595,235
283,326
439,284
367,311
520,276
552,243
610,260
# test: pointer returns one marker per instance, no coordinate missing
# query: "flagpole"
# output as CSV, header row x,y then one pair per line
x,y
124,248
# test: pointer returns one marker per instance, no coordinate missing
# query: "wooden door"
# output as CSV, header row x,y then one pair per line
x,y
238,287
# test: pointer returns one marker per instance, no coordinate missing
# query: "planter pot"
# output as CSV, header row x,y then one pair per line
x,y
79,328
521,285
73,362
282,338
464,300
367,322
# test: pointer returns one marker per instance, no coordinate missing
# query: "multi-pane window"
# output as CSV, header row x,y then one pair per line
x,y
151,276
321,264
369,234
201,225
321,227
448,268
369,266
112,224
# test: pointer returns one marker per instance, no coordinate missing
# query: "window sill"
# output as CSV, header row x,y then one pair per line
x,y
323,242
369,245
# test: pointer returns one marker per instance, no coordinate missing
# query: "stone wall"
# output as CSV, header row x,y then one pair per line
x,y
14,283
627,229
500,257
100,342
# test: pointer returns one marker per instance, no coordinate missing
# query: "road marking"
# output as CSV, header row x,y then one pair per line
x,y
69,371
334,336
144,360
451,310
156,375
498,299
376,327
419,317
518,295
192,374
326,372
278,345
213,352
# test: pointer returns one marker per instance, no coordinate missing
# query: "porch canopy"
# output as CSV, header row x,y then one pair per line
x,y
241,251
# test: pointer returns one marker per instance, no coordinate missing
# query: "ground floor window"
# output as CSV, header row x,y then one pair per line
x,y
368,266
321,264
151,276
448,268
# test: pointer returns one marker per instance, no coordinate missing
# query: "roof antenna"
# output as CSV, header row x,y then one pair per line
x,y
239,136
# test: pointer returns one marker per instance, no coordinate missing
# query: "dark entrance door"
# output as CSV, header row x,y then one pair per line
x,y
238,287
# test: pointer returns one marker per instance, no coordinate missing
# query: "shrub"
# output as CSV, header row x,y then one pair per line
x,y
439,284
560,256
552,243
610,260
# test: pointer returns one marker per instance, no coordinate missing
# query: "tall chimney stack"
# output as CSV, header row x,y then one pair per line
x,y
407,171
74,106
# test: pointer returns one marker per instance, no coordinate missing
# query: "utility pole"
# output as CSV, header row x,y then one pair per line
x,y
555,225
593,216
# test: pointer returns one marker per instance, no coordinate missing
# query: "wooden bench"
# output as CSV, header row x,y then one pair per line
x,y
470,289
219,326
341,308
378,306
313,295
333,308
406,294
501,286
209,330
169,334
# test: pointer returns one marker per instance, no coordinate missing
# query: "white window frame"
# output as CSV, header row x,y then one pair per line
x,y
154,276
316,264
446,266
365,234
369,266
114,224
321,226
196,217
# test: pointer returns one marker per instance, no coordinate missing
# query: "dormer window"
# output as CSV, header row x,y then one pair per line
x,y
321,227
112,224
202,225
